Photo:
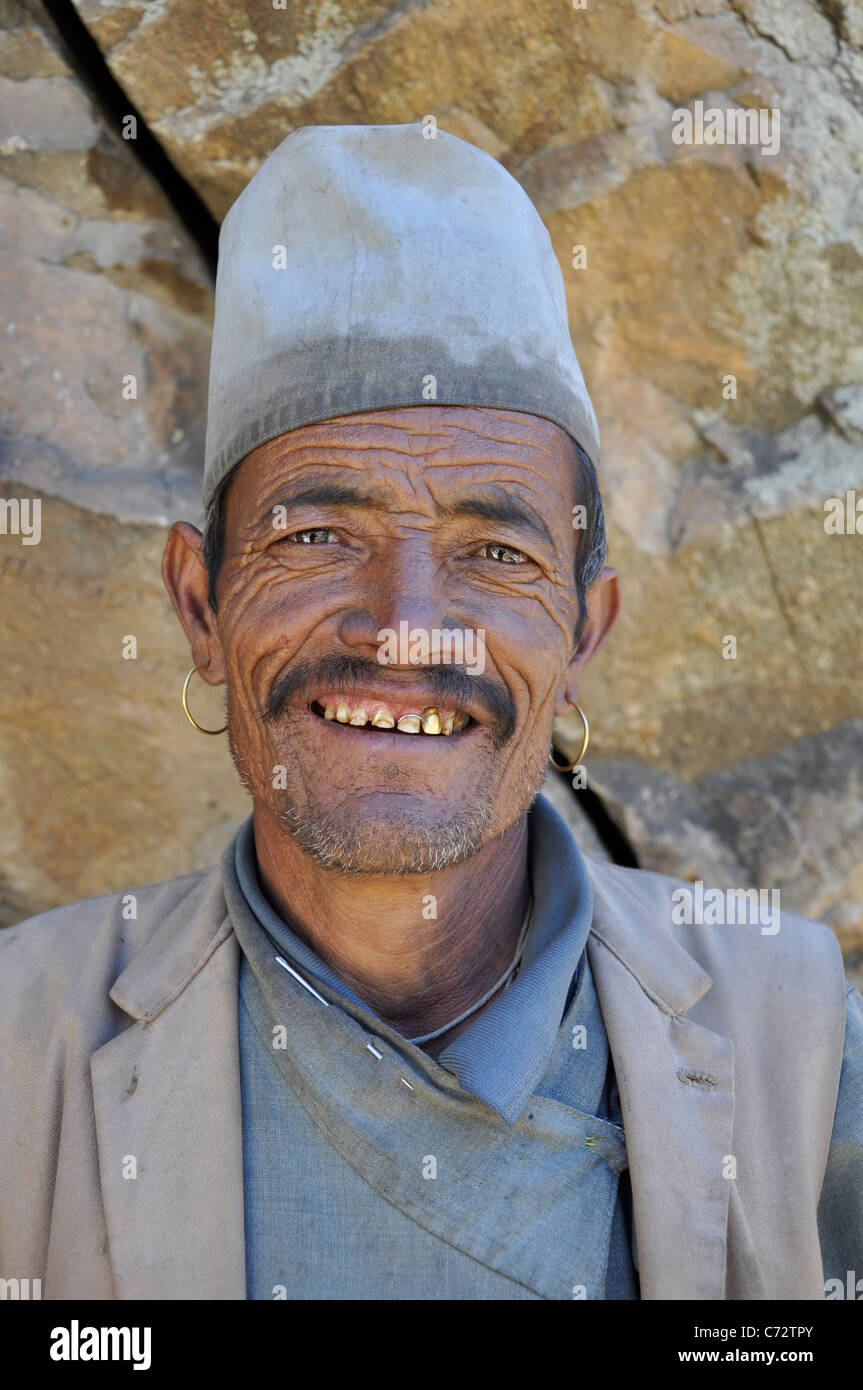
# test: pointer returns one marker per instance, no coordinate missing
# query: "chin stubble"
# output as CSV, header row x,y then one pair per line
x,y
398,847
395,848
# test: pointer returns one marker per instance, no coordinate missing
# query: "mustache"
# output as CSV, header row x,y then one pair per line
x,y
446,684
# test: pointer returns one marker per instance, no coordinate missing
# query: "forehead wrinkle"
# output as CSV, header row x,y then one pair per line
x,y
434,447
509,472
429,422
520,432
489,448
490,422
339,435
529,478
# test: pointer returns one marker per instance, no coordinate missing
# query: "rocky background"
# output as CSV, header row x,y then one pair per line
x,y
716,310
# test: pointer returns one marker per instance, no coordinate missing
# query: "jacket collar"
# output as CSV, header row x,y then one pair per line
x,y
625,900
192,928
167,1100
676,1084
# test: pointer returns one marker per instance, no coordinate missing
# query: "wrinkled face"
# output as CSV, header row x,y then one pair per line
x,y
384,756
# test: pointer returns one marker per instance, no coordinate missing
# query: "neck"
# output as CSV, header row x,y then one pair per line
x,y
415,970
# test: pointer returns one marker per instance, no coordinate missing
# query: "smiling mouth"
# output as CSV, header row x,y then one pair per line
x,y
432,720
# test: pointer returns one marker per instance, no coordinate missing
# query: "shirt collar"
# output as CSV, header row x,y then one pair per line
x,y
503,1053
307,961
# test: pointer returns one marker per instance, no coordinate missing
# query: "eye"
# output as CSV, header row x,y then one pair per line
x,y
314,535
504,554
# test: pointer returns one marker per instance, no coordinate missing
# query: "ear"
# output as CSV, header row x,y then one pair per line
x,y
185,576
603,604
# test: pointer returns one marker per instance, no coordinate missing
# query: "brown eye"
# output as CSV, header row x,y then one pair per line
x,y
504,554
312,536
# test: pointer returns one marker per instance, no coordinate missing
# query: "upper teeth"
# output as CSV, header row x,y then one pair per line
x,y
430,721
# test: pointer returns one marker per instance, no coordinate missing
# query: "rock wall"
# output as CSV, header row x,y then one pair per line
x,y
103,781
715,294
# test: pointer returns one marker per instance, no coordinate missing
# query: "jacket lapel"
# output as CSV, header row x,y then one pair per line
x,y
676,1084
168,1110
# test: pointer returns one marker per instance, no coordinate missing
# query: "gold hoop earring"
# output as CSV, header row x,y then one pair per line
x,y
188,713
585,741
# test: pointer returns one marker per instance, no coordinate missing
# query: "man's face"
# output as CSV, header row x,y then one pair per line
x,y
437,518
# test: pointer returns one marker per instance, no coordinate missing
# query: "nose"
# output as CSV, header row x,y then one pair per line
x,y
403,586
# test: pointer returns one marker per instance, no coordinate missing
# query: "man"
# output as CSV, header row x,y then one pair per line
x,y
404,1041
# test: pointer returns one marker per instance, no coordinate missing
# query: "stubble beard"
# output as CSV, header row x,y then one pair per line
x,y
391,845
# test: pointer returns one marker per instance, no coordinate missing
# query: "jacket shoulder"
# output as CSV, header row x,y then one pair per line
x,y
742,937
81,947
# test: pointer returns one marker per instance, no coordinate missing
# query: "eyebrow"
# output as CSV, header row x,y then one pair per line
x,y
493,504
490,504
331,494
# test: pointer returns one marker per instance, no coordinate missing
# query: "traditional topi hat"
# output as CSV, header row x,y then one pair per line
x,y
372,266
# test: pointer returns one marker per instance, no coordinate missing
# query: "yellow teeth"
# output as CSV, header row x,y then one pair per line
x,y
430,720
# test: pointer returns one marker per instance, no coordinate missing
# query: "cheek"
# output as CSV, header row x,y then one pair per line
x,y
555,616
264,622
530,635
529,649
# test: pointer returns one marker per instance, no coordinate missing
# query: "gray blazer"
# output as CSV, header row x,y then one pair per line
x,y
118,1038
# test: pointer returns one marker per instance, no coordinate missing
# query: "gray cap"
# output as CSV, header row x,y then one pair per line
x,y
369,266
